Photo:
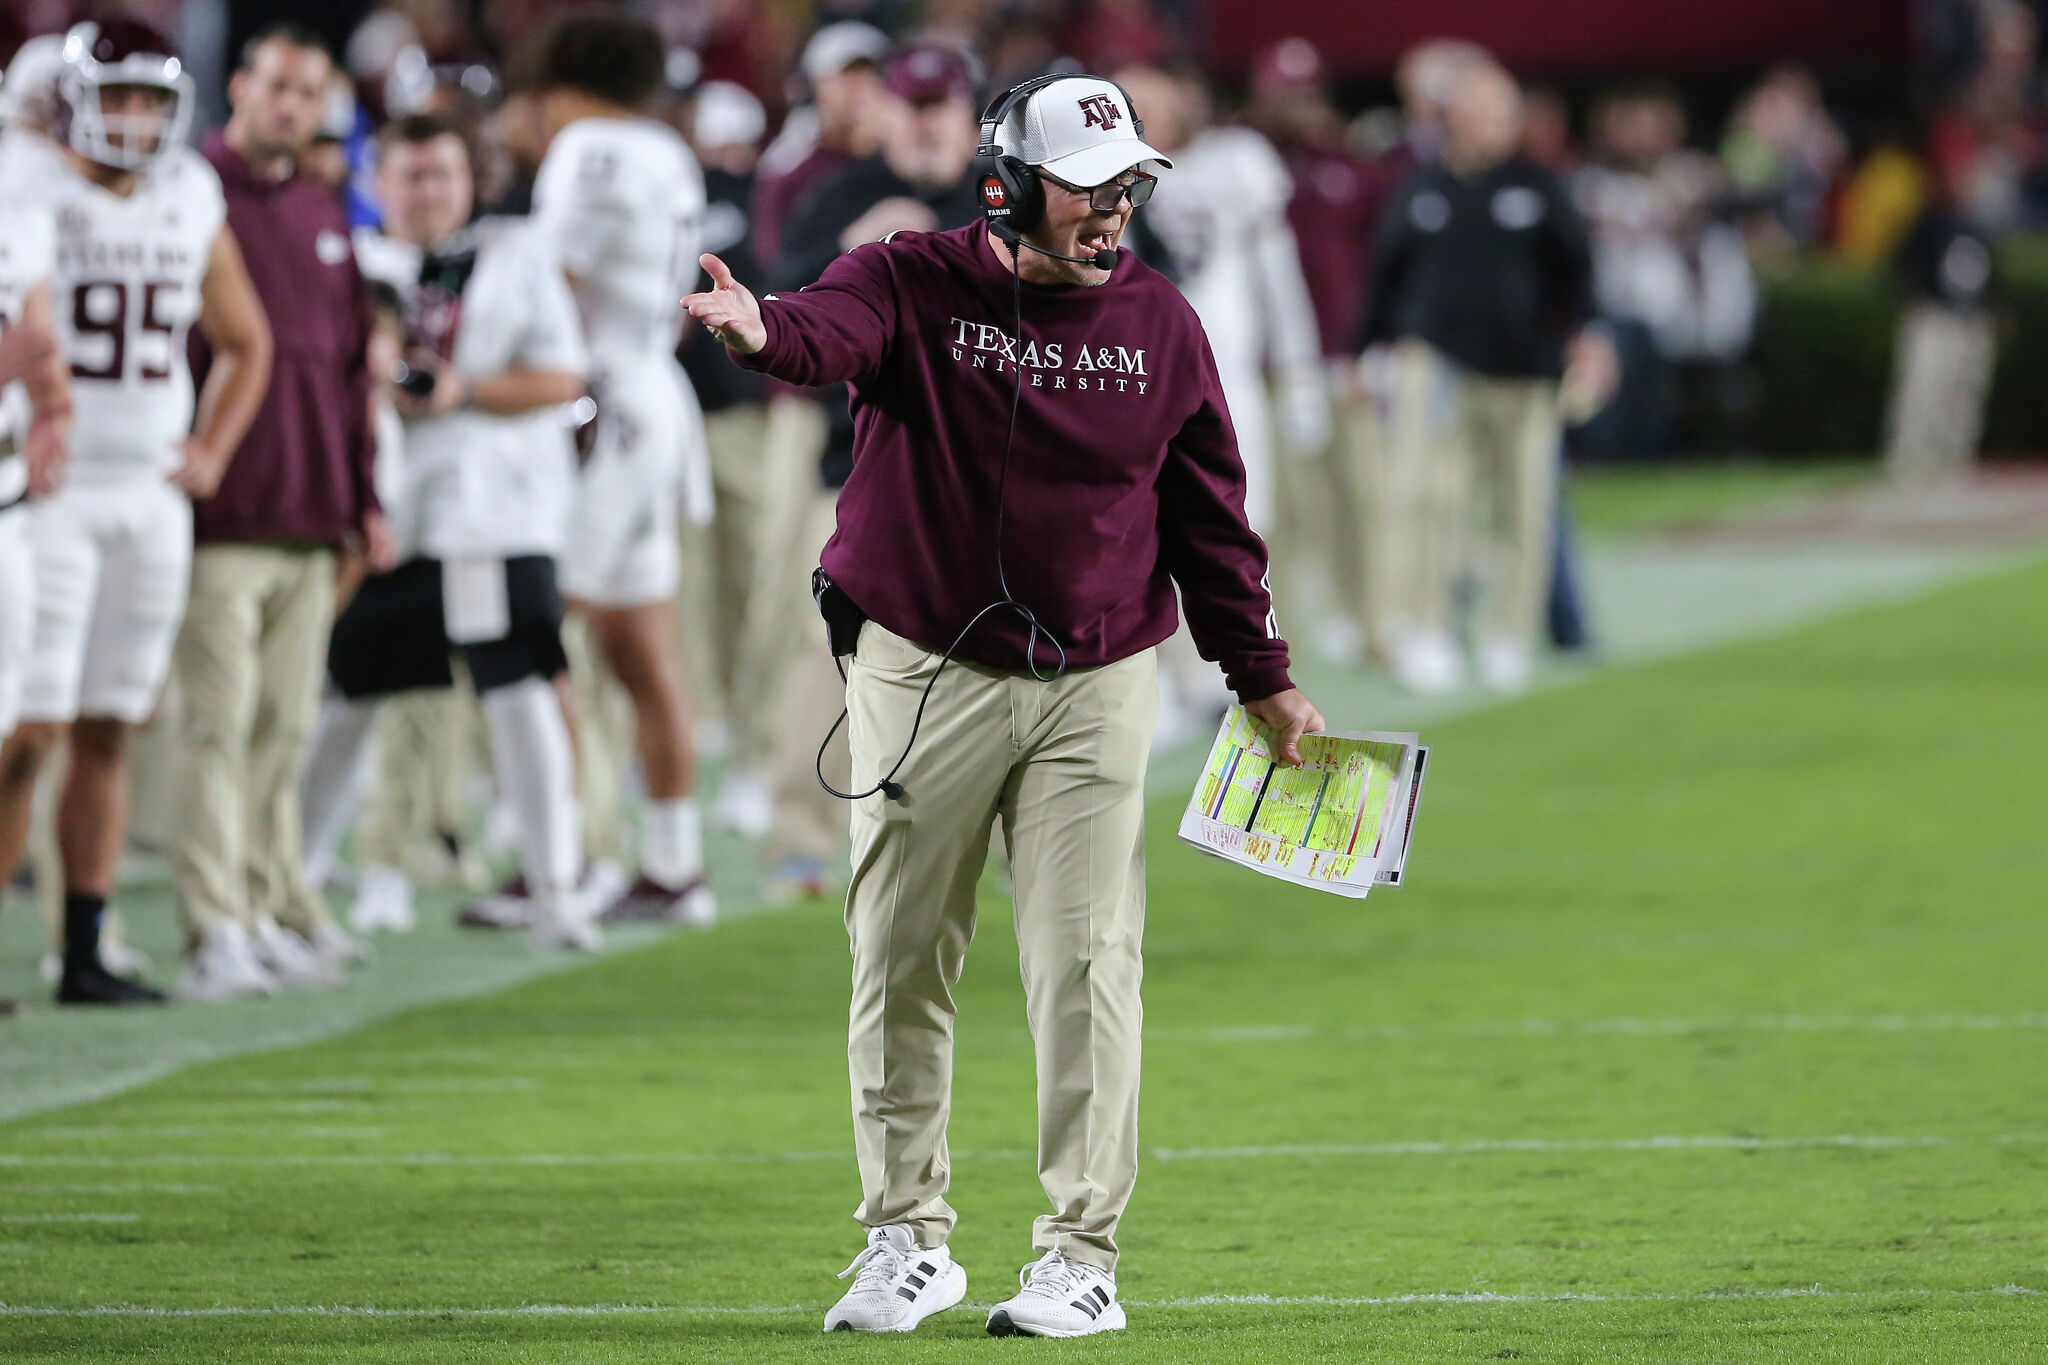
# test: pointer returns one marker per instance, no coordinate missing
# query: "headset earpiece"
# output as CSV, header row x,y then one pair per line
x,y
1012,195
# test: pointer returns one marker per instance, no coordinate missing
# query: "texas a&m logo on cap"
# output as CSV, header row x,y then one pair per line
x,y
993,195
1099,111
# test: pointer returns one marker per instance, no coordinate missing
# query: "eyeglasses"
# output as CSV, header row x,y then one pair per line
x,y
1106,197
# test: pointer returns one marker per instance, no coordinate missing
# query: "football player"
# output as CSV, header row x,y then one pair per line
x,y
620,199
142,252
494,362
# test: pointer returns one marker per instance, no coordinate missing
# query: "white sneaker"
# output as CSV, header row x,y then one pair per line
x,y
745,804
290,958
1428,663
335,946
896,1284
223,967
383,902
1061,1297
1506,665
564,921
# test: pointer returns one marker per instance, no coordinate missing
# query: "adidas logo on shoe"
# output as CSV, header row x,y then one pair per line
x,y
897,1284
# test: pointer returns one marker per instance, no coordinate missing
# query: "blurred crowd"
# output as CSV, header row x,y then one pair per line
x,y
1417,312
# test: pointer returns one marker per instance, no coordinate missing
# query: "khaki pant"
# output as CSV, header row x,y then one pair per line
x,y
1512,434
1062,764
1941,372
1319,572
1464,490
809,821
739,623
249,661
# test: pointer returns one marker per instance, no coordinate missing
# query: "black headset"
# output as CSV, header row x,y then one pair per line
x,y
1012,195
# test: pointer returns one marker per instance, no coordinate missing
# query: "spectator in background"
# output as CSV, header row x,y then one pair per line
x,y
841,64
1946,348
1882,197
728,581
1332,210
919,180
1988,146
1222,217
298,490
1482,261
1782,154
1674,285
1547,131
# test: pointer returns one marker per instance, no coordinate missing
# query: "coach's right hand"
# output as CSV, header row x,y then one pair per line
x,y
729,309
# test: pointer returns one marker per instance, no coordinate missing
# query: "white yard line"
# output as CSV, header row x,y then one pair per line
x,y
115,1189
1190,1301
1709,1142
1623,1027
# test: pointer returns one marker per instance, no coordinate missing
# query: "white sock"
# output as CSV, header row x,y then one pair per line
x,y
672,842
337,773
536,768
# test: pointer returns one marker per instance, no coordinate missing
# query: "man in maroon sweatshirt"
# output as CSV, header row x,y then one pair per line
x,y
1042,455
298,491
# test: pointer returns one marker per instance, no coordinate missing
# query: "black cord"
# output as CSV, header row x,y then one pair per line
x,y
888,786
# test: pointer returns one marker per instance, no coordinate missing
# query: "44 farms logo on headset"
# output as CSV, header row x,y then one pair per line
x,y
994,197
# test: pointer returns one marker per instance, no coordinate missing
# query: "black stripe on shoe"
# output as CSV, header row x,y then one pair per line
x,y
917,1281
926,1268
1086,1303
1102,1296
906,1293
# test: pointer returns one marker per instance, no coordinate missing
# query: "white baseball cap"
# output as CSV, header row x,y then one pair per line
x,y
1079,129
835,47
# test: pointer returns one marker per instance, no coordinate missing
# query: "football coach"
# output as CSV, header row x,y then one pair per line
x,y
1042,456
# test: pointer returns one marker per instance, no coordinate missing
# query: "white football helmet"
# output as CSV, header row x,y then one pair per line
x,y
106,55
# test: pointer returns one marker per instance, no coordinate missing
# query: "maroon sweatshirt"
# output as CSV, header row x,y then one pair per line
x,y
303,473
1124,479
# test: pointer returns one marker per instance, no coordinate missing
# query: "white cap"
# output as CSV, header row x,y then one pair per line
x,y
1079,129
726,115
835,47
32,74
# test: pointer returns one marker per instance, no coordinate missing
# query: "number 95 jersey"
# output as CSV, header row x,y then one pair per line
x,y
125,290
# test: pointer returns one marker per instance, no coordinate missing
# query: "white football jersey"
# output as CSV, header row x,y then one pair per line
x,y
125,291
27,245
1222,212
621,202
491,299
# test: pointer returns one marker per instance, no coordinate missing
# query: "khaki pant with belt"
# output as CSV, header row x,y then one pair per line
x,y
249,662
1062,764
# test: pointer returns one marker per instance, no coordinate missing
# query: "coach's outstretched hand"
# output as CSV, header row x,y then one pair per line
x,y
729,309
1286,716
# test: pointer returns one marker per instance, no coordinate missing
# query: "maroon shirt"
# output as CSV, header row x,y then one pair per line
x,y
1123,482
303,473
1334,211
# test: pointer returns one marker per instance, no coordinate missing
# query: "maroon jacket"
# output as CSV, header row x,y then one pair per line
x,y
1124,481
303,473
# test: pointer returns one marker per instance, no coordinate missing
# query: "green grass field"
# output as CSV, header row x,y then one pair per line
x,y
1712,1026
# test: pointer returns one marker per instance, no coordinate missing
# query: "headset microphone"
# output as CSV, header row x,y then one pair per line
x,y
1104,259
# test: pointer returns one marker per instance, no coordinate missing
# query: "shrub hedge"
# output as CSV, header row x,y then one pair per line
x,y
1823,356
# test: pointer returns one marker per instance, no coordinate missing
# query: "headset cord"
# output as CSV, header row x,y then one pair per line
x,y
888,786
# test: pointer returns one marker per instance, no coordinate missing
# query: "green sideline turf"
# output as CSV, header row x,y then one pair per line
x,y
1634,499
1779,903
